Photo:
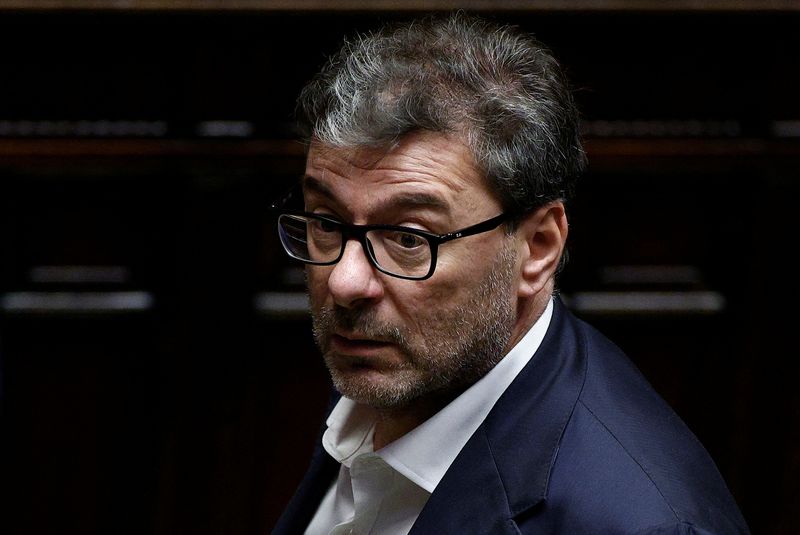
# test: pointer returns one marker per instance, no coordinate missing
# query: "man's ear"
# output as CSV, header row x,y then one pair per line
x,y
543,236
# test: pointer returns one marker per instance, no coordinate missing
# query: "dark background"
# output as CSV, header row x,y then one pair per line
x,y
164,392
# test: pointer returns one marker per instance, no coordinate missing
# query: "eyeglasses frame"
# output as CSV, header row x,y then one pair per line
x,y
359,232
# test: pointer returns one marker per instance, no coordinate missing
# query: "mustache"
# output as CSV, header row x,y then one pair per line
x,y
363,322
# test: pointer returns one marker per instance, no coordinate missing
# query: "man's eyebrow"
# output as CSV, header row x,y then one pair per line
x,y
416,200
408,199
310,183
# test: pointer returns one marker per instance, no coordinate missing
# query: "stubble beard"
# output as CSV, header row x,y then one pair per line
x,y
451,349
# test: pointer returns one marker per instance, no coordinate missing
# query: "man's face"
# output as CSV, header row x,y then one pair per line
x,y
387,341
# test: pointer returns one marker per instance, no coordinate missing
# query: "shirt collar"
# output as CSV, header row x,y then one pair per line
x,y
350,430
422,455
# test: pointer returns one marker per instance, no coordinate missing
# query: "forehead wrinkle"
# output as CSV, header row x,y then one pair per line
x,y
412,201
430,177
425,165
408,200
420,157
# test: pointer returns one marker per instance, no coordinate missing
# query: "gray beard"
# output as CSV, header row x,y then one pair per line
x,y
455,347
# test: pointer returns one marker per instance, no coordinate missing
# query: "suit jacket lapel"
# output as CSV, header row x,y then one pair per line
x,y
470,498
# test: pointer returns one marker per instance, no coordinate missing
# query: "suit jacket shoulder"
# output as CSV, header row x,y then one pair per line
x,y
581,443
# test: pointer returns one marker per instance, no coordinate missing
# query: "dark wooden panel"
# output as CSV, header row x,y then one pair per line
x,y
195,414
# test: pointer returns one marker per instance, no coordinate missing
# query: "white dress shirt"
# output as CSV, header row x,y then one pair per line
x,y
384,491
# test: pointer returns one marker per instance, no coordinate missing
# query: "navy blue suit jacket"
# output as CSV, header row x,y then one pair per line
x,y
579,443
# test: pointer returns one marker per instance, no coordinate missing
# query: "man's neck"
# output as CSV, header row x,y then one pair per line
x,y
394,423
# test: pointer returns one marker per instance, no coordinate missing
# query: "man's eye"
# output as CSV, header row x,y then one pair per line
x,y
327,226
409,241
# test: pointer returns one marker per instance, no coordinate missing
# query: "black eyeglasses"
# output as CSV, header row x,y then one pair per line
x,y
404,252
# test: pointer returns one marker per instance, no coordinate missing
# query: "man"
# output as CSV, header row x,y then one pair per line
x,y
432,219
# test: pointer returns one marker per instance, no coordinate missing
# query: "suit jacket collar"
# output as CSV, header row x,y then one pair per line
x,y
504,469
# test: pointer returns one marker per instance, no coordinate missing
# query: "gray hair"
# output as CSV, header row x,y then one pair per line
x,y
499,89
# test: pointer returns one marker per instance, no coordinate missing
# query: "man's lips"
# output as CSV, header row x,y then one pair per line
x,y
354,345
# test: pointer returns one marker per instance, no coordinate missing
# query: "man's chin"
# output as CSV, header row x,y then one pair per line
x,y
375,388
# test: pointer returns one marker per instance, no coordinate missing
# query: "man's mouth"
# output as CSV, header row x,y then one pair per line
x,y
356,345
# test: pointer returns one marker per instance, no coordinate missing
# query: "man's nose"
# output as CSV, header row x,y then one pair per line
x,y
354,278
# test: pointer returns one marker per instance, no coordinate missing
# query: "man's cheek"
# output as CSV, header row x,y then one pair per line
x,y
317,284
